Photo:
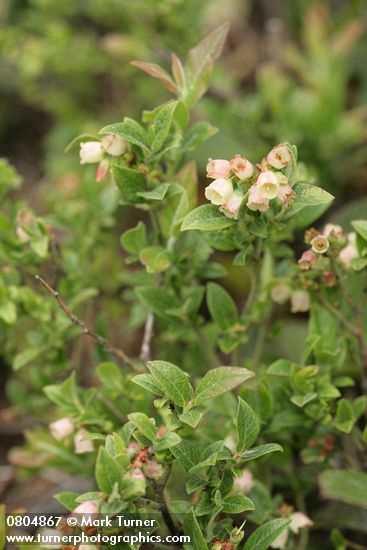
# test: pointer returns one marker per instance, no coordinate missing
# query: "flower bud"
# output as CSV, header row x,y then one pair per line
x,y
61,428
320,244
232,206
80,446
333,230
153,470
241,167
91,152
132,449
268,185
280,293
329,278
255,201
349,252
298,521
216,545
279,156
219,191
307,260
87,507
285,192
218,168
101,171
136,473
244,482
300,301
113,145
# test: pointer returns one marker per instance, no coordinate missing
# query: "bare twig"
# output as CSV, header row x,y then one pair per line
x,y
145,353
117,352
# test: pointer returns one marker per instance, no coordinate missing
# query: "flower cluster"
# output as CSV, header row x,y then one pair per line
x,y
64,427
92,152
332,239
237,179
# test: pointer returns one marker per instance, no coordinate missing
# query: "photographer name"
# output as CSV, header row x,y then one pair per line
x,y
115,521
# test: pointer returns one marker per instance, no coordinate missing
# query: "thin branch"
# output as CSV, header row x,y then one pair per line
x,y
145,353
117,352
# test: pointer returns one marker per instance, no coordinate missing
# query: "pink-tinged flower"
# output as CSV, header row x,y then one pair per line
x,y
113,145
80,446
91,152
255,201
132,449
332,229
279,156
101,171
218,168
285,191
268,185
61,428
244,482
231,207
136,473
219,191
241,167
300,301
153,470
349,252
86,507
320,244
307,260
280,293
298,521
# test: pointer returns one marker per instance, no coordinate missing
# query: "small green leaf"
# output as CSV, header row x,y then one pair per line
x,y
221,306
360,226
110,375
148,382
144,424
130,183
25,357
158,300
174,381
197,134
262,538
261,450
220,380
155,258
156,194
162,124
107,471
192,528
187,454
156,71
206,218
345,418
168,441
346,485
281,367
135,239
68,499
236,504
247,426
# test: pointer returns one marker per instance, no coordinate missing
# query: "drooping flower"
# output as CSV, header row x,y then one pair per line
x,y
153,470
219,191
279,156
280,293
61,428
320,244
82,447
298,521
241,167
332,229
113,145
349,252
218,168
285,191
307,260
86,507
300,301
268,185
255,200
91,152
244,482
231,207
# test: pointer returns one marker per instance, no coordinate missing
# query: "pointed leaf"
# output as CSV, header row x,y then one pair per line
x,y
247,426
220,380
